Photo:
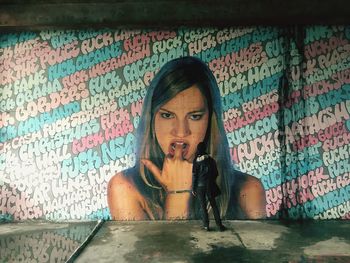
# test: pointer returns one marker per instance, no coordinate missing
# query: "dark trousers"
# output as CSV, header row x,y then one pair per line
x,y
202,195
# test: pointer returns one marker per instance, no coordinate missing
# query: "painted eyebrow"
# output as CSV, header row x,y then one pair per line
x,y
203,110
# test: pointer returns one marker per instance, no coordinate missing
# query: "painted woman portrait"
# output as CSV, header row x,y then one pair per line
x,y
182,107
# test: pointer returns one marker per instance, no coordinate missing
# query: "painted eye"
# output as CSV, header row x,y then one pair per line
x,y
166,115
196,117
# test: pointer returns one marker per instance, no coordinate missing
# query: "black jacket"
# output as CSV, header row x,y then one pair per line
x,y
204,173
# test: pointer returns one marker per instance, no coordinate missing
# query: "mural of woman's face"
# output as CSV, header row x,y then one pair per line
x,y
183,120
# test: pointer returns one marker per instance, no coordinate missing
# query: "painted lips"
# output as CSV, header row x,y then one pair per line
x,y
184,148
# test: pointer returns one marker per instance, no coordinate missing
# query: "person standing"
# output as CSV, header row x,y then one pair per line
x,y
204,173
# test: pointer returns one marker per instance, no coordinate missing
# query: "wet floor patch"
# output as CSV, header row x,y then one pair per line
x,y
162,243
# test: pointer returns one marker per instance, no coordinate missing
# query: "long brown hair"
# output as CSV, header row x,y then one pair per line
x,y
174,77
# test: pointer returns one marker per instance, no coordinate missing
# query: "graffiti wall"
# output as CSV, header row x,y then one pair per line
x,y
71,103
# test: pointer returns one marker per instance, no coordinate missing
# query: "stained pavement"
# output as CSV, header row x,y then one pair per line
x,y
179,241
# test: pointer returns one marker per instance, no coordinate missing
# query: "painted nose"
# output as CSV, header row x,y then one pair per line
x,y
181,128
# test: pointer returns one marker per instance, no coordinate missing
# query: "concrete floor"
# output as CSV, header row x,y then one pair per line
x,y
182,241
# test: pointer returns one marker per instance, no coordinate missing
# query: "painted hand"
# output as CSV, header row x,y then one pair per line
x,y
176,173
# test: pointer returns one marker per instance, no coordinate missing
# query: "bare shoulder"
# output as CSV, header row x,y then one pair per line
x,y
252,184
252,198
120,190
124,200
120,183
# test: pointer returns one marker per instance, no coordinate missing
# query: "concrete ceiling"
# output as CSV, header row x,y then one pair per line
x,y
41,14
